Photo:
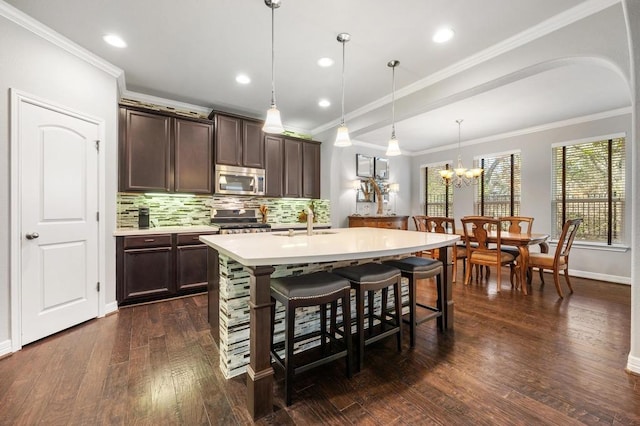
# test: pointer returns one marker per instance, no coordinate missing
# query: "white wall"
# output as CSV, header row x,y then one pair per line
x,y
35,66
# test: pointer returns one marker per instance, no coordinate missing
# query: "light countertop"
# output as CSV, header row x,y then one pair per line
x,y
124,232
278,248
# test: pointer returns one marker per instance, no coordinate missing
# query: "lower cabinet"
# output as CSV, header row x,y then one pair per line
x,y
159,266
389,222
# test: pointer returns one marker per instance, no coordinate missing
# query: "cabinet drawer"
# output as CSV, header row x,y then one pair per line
x,y
189,239
141,241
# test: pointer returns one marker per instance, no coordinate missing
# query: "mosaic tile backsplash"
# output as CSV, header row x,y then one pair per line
x,y
179,210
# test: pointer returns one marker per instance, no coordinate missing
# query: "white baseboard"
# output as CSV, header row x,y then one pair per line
x,y
110,308
633,364
5,348
600,277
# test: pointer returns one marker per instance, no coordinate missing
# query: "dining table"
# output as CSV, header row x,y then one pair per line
x,y
247,262
522,241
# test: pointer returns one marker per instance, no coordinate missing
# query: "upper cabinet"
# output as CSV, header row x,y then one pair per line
x,y
239,141
311,170
162,153
274,165
292,167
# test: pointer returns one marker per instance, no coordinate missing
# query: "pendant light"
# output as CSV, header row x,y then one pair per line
x,y
342,137
460,176
273,123
393,148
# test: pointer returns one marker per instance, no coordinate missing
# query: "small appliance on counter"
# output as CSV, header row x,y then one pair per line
x,y
238,221
143,218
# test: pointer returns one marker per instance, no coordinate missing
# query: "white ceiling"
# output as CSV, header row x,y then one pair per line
x,y
191,50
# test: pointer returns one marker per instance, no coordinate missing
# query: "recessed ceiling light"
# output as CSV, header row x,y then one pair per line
x,y
114,40
243,79
325,62
443,35
324,103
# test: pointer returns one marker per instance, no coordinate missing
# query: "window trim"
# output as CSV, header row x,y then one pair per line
x,y
594,245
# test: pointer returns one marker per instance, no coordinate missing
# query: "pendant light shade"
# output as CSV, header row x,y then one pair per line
x,y
342,137
393,148
273,123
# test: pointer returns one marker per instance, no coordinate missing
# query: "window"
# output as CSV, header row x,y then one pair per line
x,y
588,182
498,192
438,197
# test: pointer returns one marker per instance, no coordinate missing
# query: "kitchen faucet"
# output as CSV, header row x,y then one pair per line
x,y
309,221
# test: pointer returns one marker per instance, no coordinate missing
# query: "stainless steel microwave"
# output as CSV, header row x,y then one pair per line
x,y
239,180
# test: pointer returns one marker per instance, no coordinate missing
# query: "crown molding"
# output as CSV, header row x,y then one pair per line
x,y
38,28
535,129
542,29
164,102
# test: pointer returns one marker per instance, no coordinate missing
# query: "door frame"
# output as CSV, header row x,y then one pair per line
x,y
18,98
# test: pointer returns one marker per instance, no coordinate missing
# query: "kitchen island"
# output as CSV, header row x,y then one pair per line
x,y
246,262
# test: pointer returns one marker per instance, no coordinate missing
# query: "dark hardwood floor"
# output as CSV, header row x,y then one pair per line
x,y
512,359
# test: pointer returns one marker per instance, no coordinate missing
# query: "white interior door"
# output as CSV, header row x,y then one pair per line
x,y
59,225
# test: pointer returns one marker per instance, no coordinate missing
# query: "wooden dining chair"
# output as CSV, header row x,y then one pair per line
x,y
447,225
559,261
480,252
420,223
516,225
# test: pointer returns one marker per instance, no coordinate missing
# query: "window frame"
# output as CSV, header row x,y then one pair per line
x,y
448,203
608,243
479,194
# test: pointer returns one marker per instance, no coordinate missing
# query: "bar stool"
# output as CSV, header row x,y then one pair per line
x,y
370,278
315,289
416,268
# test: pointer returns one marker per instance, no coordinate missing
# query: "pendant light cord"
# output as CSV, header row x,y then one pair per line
x,y
273,61
393,102
342,120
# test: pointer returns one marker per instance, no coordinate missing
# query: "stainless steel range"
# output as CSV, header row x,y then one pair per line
x,y
238,221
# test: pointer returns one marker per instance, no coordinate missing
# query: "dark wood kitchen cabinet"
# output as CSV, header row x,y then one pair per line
x,y
163,153
292,167
239,141
191,263
311,170
159,266
274,166
145,267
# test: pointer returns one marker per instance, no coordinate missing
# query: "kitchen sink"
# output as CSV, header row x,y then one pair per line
x,y
297,233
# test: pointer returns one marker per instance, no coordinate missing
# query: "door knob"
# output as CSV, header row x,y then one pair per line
x,y
32,236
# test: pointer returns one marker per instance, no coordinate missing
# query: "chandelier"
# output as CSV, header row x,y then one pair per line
x,y
460,176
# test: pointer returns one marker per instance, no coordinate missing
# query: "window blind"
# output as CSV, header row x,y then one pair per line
x,y
589,182
438,196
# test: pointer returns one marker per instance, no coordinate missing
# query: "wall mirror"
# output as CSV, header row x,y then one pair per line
x,y
364,166
382,168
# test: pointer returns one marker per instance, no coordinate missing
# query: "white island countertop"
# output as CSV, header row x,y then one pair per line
x,y
278,248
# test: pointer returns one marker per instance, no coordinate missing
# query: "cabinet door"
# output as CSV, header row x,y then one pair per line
x,y
228,140
311,170
273,164
292,168
193,161
145,151
191,268
147,273
252,144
